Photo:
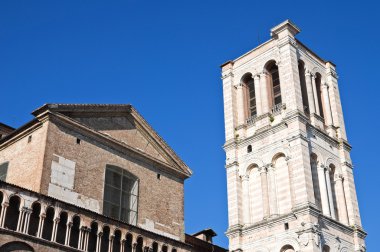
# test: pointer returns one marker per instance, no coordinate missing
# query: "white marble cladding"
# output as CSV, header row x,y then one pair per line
x,y
287,159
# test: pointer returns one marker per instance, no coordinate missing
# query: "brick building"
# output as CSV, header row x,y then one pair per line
x,y
91,178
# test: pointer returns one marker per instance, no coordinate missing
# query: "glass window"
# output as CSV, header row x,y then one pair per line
x,y
3,171
120,195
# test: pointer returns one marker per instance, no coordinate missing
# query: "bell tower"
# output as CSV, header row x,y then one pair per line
x,y
289,172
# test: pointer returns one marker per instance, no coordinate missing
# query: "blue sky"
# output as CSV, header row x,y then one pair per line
x,y
163,57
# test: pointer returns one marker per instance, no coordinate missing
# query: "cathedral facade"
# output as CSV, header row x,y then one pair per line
x,y
289,172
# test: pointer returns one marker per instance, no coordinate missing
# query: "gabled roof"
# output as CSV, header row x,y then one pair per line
x,y
67,112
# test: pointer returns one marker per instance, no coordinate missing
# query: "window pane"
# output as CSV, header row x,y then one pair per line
x,y
3,171
111,210
127,184
112,195
113,178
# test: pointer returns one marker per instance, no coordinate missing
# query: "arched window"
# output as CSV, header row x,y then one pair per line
x,y
48,224
116,241
120,195
16,246
155,247
282,184
333,190
318,79
305,101
74,233
314,174
105,239
249,148
128,243
13,212
34,219
93,237
287,248
255,197
61,229
140,244
249,86
274,77
164,248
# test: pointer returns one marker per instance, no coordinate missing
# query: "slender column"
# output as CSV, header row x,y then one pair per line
x,y
41,225
20,220
4,207
343,215
246,201
326,101
88,230
309,88
264,92
80,241
264,188
323,190
68,233
315,94
99,242
329,192
272,190
122,245
111,238
259,107
241,107
27,220
55,226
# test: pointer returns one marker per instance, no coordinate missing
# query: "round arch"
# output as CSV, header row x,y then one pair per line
x,y
16,246
286,242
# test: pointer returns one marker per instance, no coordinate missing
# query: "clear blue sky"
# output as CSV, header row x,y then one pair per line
x,y
163,57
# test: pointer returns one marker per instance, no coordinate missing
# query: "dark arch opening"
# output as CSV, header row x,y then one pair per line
x,y
318,79
155,247
250,95
287,248
139,246
174,250
128,243
116,241
34,219
326,248
93,237
48,224
61,229
13,213
274,77
105,239
16,246
164,248
74,236
249,148
305,101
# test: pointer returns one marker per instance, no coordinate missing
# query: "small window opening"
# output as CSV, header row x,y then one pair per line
x,y
286,225
158,176
78,141
29,138
249,148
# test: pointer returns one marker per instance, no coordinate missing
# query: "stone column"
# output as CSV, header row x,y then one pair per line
x,y
315,94
241,107
259,107
99,242
329,192
41,225
264,188
80,239
264,92
343,215
326,101
20,222
309,88
246,200
272,191
28,212
3,212
55,226
68,233
323,190
110,243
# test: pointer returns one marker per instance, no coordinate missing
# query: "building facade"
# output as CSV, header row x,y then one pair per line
x,y
91,178
289,172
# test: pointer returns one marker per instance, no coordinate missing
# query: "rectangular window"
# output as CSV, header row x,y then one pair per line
x,y
120,195
3,171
